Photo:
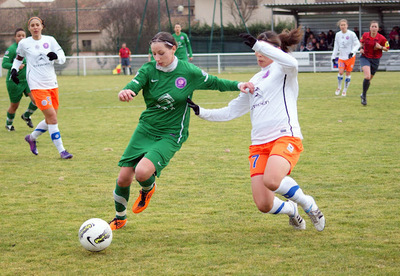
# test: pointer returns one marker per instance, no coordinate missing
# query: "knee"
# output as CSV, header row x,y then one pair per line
x,y
123,181
142,174
271,183
264,207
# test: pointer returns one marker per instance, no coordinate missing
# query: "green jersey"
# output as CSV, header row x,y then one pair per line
x,y
184,47
165,95
8,60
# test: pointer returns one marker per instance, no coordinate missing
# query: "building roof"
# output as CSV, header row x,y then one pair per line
x,y
294,8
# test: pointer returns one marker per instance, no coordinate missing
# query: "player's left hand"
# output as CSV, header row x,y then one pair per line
x,y
14,76
351,55
249,40
52,56
193,106
378,46
247,87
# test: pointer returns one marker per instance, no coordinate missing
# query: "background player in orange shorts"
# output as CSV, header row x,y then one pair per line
x,y
345,47
41,51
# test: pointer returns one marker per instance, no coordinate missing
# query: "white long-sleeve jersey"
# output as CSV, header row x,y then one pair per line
x,y
345,43
273,106
40,72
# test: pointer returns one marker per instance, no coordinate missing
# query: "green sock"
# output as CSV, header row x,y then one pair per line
x,y
10,119
31,108
148,184
121,198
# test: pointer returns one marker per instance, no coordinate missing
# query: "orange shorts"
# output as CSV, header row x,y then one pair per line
x,y
347,64
46,98
288,147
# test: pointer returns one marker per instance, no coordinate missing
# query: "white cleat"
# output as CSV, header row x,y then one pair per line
x,y
316,216
337,92
344,94
296,220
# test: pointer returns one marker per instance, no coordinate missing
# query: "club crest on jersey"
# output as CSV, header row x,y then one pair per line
x,y
45,45
180,82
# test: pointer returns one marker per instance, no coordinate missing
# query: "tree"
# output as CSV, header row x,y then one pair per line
x,y
246,8
122,22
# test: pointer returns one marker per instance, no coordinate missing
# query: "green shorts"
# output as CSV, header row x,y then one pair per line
x,y
158,149
15,92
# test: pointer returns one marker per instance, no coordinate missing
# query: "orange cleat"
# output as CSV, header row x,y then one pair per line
x,y
143,200
117,223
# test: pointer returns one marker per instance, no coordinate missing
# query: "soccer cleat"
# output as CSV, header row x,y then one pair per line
x,y
337,92
32,144
316,216
344,93
117,223
66,155
296,220
363,99
10,128
143,200
28,121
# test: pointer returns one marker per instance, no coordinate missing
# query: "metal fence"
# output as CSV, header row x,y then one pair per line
x,y
215,63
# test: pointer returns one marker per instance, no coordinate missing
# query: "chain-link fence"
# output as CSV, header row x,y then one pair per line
x,y
215,63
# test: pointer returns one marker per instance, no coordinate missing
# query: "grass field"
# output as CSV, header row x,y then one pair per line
x,y
202,219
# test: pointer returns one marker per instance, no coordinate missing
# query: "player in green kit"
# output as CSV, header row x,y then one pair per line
x,y
166,83
184,47
15,91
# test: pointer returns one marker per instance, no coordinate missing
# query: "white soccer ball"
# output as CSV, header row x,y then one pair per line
x,y
95,234
180,8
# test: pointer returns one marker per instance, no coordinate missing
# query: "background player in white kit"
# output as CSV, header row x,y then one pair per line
x,y
345,47
41,51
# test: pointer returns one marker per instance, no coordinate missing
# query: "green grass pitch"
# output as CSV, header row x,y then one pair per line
x,y
202,219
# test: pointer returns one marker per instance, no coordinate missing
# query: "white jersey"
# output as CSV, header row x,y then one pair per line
x,y
273,106
40,72
345,43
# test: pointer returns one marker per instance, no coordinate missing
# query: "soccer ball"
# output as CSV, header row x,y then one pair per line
x,y
95,234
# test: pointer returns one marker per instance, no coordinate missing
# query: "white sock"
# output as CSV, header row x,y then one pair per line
x,y
340,79
347,82
291,190
41,128
56,137
281,207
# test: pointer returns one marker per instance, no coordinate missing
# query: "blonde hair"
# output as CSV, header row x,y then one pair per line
x,y
342,20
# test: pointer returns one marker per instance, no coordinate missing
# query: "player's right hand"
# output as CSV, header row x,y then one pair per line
x,y
126,95
14,76
333,61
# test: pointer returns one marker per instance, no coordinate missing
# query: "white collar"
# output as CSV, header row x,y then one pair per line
x,y
170,67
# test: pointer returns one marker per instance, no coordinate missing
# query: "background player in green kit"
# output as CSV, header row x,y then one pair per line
x,y
163,127
184,47
15,92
